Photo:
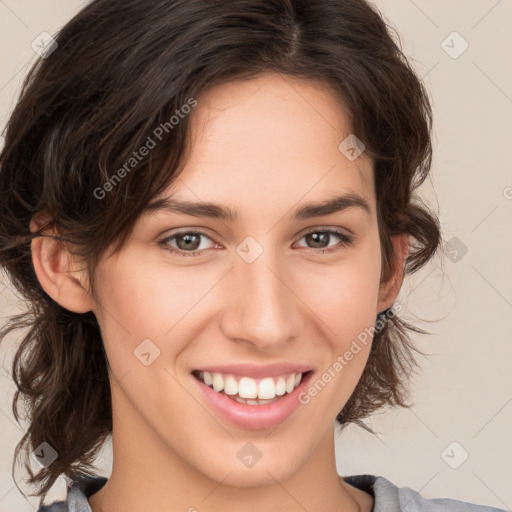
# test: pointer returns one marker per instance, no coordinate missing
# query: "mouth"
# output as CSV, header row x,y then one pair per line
x,y
251,403
251,391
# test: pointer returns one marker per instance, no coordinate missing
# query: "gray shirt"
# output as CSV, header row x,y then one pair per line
x,y
388,497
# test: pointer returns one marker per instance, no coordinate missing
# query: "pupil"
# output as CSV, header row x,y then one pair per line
x,y
187,243
316,236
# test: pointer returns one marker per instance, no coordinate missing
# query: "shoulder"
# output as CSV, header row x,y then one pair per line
x,y
389,497
77,495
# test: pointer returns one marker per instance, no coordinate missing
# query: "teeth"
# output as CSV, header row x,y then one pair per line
x,y
266,389
249,401
247,388
290,383
280,386
207,378
230,385
218,382
253,392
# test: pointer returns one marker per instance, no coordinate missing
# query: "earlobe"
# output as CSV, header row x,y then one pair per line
x,y
390,290
57,272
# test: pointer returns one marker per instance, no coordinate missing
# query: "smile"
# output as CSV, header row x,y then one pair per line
x,y
250,391
251,403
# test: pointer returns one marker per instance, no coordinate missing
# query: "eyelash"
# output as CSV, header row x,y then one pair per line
x,y
346,241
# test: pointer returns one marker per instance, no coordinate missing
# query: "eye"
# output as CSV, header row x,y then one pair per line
x,y
186,240
189,242
319,242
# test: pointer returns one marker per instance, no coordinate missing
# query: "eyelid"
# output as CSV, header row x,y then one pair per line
x,y
312,229
197,231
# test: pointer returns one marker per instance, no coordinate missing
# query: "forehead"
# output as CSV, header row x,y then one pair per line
x,y
271,136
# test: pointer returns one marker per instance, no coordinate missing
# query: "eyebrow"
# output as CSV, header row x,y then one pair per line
x,y
216,211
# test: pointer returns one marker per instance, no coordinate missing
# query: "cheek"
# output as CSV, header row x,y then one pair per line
x,y
143,313
345,294
150,316
145,299
345,299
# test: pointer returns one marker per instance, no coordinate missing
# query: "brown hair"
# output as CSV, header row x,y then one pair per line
x,y
123,68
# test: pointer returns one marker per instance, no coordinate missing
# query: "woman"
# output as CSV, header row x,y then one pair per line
x,y
209,207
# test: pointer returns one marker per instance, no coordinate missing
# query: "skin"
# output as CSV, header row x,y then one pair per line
x,y
264,147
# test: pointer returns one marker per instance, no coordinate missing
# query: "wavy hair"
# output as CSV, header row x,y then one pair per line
x,y
122,68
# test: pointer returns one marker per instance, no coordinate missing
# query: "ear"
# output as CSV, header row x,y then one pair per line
x,y
389,290
58,271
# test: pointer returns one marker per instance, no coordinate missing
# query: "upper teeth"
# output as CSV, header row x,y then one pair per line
x,y
246,387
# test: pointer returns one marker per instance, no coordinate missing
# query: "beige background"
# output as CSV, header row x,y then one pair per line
x,y
464,391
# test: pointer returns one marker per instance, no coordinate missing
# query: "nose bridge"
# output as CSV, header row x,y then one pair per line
x,y
263,309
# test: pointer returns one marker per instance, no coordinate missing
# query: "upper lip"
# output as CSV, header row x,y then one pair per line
x,y
256,371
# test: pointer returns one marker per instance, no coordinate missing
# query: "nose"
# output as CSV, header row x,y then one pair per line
x,y
262,308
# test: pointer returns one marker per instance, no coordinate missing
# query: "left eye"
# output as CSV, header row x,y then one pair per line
x,y
312,236
189,242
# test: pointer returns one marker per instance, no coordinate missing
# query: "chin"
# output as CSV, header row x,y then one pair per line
x,y
272,466
256,477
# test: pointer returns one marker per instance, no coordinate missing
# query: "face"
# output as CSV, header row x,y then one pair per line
x,y
268,288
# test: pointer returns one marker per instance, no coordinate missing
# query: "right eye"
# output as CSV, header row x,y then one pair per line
x,y
188,240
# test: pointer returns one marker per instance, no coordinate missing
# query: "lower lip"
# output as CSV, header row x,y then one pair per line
x,y
253,416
